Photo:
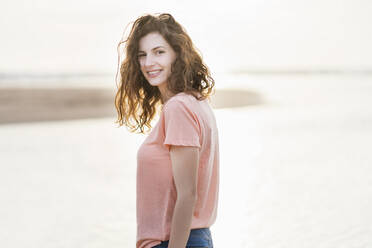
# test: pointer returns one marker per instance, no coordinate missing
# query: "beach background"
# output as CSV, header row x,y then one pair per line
x,y
293,106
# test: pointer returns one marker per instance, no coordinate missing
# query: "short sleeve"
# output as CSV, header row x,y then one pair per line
x,y
181,125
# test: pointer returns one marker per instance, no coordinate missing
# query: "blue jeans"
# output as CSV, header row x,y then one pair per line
x,y
199,238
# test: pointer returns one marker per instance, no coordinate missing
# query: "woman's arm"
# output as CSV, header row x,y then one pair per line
x,y
185,161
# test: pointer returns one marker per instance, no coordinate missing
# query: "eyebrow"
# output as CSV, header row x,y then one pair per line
x,y
153,48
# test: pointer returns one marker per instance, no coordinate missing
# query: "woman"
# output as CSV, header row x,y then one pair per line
x,y
178,163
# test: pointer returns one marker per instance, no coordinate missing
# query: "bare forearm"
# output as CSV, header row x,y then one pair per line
x,y
181,222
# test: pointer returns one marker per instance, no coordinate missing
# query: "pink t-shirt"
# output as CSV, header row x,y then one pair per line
x,y
184,121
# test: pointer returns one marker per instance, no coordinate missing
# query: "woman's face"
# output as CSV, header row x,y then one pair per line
x,y
155,57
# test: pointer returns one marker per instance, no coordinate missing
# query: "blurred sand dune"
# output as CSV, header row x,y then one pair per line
x,y
29,105
46,104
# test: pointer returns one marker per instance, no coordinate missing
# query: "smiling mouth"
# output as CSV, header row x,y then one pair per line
x,y
154,73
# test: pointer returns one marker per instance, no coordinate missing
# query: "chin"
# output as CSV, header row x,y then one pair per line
x,y
156,83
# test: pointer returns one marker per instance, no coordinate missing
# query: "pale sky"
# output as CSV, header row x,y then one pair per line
x,y
48,36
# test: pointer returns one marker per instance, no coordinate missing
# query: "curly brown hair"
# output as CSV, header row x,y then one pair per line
x,y
136,100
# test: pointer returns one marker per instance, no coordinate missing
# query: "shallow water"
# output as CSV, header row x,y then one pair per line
x,y
295,171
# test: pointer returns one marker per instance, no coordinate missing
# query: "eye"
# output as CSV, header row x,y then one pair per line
x,y
160,52
141,55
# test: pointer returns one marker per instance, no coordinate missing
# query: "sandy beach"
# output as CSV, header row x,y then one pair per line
x,y
22,104
43,104
295,165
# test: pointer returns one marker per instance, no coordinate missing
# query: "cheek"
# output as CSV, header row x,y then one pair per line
x,y
168,62
141,66
140,63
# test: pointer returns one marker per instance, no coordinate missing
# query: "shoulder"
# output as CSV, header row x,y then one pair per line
x,y
181,107
181,100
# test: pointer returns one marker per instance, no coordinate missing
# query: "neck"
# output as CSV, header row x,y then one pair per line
x,y
165,94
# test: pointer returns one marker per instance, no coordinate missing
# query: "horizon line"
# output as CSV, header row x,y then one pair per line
x,y
72,75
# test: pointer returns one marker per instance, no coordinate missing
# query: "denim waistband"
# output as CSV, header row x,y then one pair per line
x,y
200,237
